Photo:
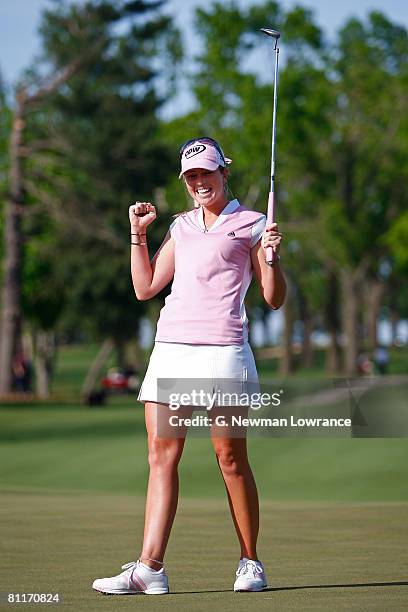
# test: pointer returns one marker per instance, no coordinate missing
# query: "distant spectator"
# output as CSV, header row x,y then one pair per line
x,y
364,364
381,359
21,373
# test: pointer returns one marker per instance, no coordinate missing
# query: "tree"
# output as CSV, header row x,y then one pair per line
x,y
367,152
341,147
11,319
92,148
5,126
236,105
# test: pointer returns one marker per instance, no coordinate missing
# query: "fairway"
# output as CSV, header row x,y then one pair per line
x,y
319,556
72,482
66,447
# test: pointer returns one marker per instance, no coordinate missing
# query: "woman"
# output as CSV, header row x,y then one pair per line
x,y
210,253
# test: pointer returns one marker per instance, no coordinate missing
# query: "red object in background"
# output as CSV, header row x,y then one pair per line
x,y
115,380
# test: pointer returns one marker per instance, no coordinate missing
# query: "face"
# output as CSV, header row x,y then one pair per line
x,y
205,187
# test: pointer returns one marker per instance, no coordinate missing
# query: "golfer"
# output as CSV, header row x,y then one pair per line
x,y
210,254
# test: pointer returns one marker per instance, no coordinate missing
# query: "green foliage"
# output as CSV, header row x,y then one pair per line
x,y
397,240
97,145
301,33
44,292
98,151
101,296
367,145
342,134
235,106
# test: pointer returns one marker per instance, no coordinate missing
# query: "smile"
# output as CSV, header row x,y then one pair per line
x,y
204,191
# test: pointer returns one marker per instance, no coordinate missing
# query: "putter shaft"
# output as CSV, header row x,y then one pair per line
x,y
271,199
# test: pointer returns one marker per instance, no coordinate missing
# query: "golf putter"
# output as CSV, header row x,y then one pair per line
x,y
270,256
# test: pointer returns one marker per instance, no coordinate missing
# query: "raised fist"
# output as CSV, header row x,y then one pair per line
x,y
141,214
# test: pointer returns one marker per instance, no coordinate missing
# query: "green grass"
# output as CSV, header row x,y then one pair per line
x,y
73,362
71,368
69,447
318,557
269,368
72,485
59,446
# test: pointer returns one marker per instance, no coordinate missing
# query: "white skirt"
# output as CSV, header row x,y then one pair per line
x,y
197,370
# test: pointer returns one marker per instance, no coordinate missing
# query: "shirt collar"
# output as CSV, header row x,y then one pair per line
x,y
227,210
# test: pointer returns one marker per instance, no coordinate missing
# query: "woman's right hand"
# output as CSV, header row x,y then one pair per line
x,y
141,214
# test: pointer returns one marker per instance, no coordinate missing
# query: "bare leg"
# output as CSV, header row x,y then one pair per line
x,y
163,486
232,458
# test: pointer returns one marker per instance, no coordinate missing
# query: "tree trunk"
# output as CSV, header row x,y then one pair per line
x,y
120,354
375,291
44,361
133,355
307,346
333,364
95,369
333,356
286,365
350,303
11,318
307,320
394,320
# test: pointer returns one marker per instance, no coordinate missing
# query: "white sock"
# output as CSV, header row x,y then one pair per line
x,y
150,569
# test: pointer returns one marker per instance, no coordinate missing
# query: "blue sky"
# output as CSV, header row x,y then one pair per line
x,y
19,21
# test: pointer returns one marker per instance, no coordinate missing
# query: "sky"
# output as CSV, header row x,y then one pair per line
x,y
19,22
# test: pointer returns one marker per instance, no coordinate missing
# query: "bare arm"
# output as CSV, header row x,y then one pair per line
x,y
149,278
270,279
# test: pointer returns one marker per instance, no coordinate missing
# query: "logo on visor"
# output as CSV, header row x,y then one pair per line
x,y
194,151
231,234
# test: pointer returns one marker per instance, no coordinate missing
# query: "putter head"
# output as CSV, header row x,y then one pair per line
x,y
273,33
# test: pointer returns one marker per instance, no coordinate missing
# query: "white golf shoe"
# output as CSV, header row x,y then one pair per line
x,y
136,579
250,576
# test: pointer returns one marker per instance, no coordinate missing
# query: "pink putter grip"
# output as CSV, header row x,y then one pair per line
x,y
270,218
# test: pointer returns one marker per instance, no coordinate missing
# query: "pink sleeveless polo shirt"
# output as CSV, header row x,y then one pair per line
x,y
213,271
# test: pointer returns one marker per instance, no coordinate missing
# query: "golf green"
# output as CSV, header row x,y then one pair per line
x,y
72,484
319,556
73,448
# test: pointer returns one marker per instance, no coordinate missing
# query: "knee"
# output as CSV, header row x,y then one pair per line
x,y
230,462
164,454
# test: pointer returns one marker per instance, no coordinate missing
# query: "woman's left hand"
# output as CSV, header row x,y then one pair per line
x,y
271,237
